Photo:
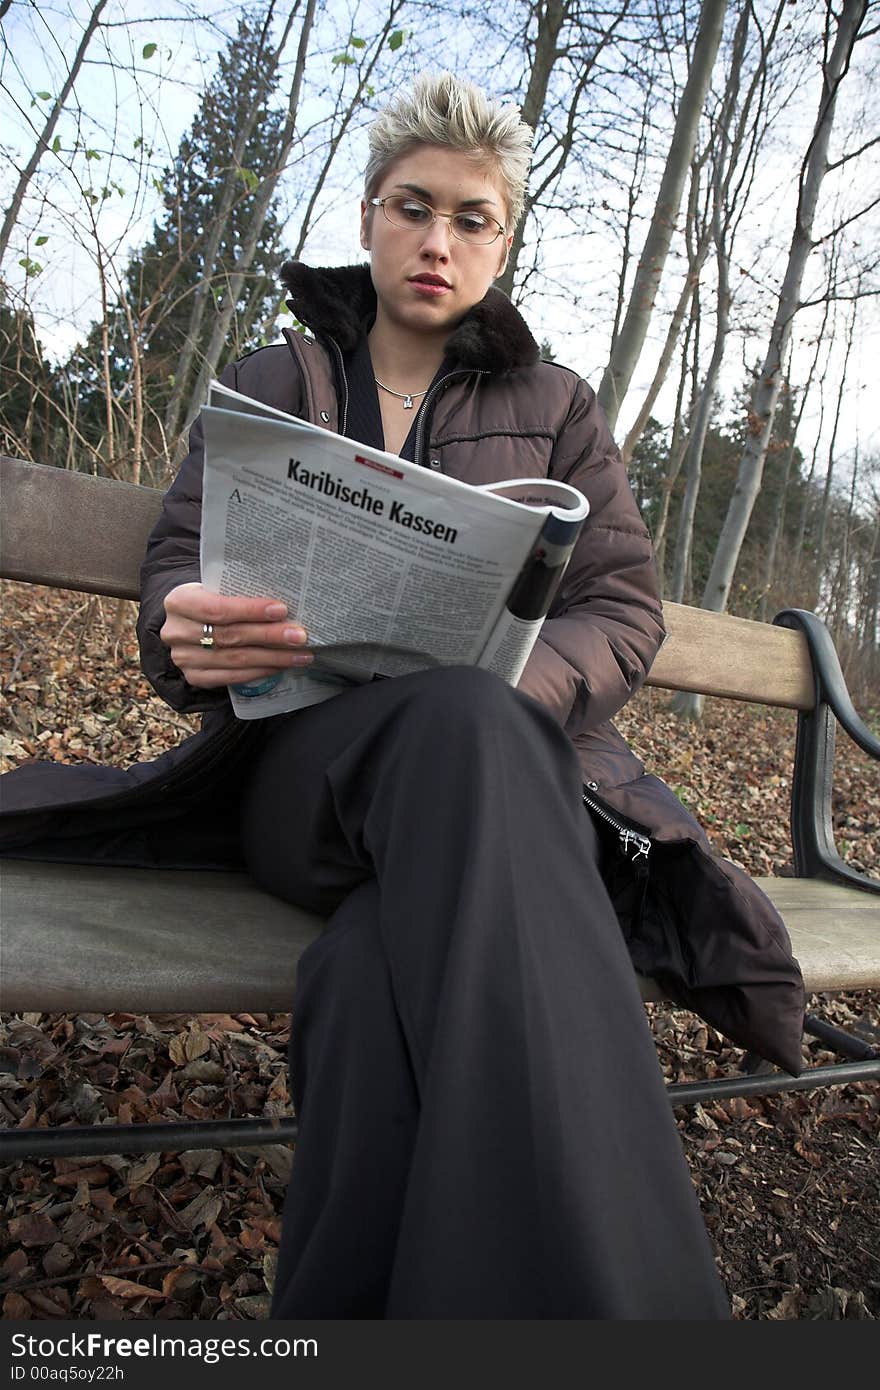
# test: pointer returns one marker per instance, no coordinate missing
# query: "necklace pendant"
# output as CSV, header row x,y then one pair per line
x,y
407,402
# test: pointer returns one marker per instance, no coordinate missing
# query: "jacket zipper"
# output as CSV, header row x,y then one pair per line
x,y
628,836
432,395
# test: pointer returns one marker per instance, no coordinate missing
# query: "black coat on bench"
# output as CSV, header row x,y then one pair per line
x,y
692,920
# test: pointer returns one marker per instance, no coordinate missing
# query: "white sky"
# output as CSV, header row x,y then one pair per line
x,y
580,271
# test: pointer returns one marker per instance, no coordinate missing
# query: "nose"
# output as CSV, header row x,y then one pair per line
x,y
436,241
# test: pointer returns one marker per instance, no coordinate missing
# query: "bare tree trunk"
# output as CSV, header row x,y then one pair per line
x,y
725,155
832,447
552,14
551,17
680,429
779,517
699,430
800,539
839,597
869,627
258,291
767,387
743,128
672,335
264,197
633,194
231,190
626,350
105,367
42,144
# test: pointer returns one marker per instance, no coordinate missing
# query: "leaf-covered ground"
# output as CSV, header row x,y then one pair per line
x,y
789,1187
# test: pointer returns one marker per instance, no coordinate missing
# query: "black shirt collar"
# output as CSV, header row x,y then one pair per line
x,y
364,415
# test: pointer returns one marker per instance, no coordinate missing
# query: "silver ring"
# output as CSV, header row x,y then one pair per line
x,y
207,637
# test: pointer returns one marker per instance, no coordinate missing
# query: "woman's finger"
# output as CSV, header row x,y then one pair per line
x,y
200,605
178,630
188,657
225,635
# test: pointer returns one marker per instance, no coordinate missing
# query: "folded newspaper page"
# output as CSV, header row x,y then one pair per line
x,y
389,567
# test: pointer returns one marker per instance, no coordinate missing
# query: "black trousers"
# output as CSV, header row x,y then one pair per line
x,y
483,1129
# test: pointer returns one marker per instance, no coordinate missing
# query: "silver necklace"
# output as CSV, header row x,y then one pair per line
x,y
406,396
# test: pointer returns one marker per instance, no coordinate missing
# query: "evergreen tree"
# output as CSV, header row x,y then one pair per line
x,y
647,469
29,422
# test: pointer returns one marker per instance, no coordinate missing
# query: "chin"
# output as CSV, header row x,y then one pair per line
x,y
429,318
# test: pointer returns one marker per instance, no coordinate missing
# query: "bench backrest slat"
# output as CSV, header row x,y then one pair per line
x,y
74,531
735,658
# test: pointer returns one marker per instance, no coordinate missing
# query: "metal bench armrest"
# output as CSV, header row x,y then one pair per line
x,y
812,830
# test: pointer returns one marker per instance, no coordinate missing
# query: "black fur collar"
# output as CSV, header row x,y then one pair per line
x,y
335,302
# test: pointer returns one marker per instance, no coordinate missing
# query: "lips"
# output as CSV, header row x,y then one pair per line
x,y
430,286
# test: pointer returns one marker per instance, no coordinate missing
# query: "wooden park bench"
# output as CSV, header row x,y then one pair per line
x,y
98,939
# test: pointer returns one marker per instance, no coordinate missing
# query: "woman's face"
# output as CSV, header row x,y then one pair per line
x,y
425,278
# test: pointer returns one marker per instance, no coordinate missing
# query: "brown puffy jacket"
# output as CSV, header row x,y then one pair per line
x,y
501,413
693,920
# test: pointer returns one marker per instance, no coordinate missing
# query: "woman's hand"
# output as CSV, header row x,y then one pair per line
x,y
253,637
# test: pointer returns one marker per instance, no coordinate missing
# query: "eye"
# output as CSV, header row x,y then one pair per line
x,y
412,211
471,223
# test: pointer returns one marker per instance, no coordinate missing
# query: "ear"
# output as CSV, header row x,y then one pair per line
x,y
508,242
365,221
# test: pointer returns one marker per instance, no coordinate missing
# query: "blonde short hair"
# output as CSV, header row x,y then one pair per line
x,y
442,109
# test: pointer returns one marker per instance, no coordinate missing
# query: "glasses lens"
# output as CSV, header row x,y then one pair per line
x,y
466,226
408,212
473,226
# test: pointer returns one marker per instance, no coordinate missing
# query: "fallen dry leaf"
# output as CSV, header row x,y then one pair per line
x,y
16,1307
125,1288
189,1045
33,1230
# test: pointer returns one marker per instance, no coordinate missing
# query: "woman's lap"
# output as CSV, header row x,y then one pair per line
x,y
290,822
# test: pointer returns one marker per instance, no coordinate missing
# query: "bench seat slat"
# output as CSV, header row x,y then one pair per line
x,y
98,939
835,931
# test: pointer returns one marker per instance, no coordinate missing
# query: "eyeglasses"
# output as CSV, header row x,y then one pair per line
x,y
467,225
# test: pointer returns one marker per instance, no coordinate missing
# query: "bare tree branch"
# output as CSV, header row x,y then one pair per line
x,y
42,144
854,154
839,298
847,222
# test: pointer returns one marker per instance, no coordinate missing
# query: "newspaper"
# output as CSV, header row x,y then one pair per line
x,y
389,567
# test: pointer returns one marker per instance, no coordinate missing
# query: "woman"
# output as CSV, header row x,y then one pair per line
x,y
483,1130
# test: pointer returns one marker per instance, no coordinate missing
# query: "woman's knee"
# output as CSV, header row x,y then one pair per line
x,y
463,695
454,709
